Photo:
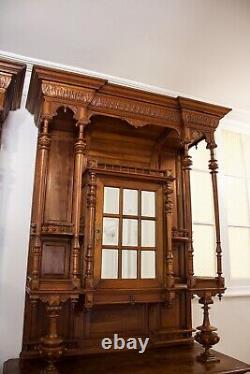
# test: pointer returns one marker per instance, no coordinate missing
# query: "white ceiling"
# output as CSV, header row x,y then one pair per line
x,y
199,48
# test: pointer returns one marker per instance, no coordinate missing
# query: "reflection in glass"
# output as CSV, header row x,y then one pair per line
x,y
110,231
130,232
147,233
111,200
204,250
148,203
109,264
130,202
148,264
129,264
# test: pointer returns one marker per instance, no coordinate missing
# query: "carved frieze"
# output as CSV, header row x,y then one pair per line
x,y
68,92
115,103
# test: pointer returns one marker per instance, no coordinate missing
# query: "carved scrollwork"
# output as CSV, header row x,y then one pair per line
x,y
91,196
135,107
44,141
200,120
5,80
64,91
168,190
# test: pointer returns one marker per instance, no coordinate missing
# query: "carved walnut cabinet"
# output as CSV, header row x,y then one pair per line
x,y
111,230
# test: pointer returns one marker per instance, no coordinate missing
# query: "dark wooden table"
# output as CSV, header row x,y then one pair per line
x,y
174,360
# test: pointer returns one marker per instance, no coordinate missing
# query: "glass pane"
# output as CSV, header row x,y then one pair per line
x,y
237,201
200,156
111,200
109,264
130,202
232,153
148,203
204,251
202,197
147,233
129,264
239,252
130,232
110,231
148,264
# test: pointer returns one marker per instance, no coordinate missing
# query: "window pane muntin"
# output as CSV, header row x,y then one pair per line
x,y
121,217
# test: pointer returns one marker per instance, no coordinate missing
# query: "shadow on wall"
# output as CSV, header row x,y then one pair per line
x,y
17,162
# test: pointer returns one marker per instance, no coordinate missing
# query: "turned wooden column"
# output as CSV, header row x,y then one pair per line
x,y
79,167
51,347
187,209
90,237
213,167
170,279
43,147
206,336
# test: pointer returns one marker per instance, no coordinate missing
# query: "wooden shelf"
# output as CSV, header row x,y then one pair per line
x,y
174,360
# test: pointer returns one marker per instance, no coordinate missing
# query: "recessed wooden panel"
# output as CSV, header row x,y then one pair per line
x,y
106,320
60,178
55,259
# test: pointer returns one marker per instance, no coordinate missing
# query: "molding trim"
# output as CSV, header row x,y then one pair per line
x,y
236,115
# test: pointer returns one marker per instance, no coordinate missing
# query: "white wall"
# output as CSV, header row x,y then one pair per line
x,y
17,159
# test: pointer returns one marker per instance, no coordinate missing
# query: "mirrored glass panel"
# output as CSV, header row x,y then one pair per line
x,y
204,250
129,264
130,202
148,203
148,264
147,233
130,232
109,264
110,231
111,200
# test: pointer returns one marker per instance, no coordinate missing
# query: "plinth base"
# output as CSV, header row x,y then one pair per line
x,y
174,360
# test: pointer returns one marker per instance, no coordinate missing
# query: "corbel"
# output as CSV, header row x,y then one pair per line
x,y
11,86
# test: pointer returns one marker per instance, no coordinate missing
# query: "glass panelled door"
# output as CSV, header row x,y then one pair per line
x,y
130,234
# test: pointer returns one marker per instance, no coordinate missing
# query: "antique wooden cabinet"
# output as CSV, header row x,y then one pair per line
x,y
111,231
11,86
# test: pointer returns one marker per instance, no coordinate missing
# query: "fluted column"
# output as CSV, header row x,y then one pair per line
x,y
43,147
